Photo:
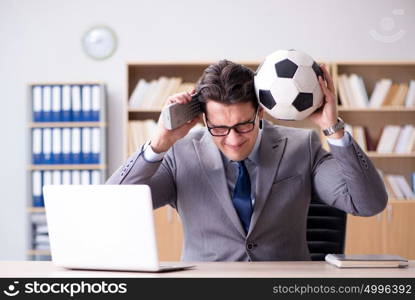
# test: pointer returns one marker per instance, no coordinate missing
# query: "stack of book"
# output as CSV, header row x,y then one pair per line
x,y
353,93
139,132
360,135
152,95
393,139
397,139
398,187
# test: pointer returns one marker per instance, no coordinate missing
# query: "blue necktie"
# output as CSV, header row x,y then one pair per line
x,y
242,196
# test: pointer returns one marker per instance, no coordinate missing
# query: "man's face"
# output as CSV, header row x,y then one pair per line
x,y
235,146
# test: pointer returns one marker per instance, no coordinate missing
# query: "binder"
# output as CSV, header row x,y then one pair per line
x,y
37,199
86,103
47,146
66,145
47,178
57,145
37,145
47,103
66,104
66,177
96,103
56,103
95,177
76,103
85,177
96,145
86,146
37,103
56,177
76,146
76,177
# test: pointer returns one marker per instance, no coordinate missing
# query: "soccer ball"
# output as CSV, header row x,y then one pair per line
x,y
286,85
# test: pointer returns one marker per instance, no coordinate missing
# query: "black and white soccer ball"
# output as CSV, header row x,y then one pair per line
x,y
286,85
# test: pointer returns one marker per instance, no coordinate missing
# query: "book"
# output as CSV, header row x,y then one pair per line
x,y
389,189
413,181
394,185
366,261
360,136
399,98
379,93
388,139
343,93
358,91
390,95
404,186
410,96
404,139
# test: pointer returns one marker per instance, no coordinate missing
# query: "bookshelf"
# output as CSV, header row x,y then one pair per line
x,y
168,227
57,107
389,231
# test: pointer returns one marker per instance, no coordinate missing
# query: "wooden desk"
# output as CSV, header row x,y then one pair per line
x,y
211,269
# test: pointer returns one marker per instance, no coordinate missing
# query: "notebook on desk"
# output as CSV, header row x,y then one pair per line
x,y
103,227
366,261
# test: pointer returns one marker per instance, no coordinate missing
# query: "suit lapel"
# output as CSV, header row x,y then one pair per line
x,y
212,167
271,151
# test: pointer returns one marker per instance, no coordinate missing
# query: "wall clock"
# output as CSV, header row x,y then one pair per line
x,y
99,42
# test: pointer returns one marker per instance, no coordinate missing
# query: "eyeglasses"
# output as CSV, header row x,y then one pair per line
x,y
243,127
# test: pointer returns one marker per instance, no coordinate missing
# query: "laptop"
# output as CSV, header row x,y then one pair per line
x,y
103,227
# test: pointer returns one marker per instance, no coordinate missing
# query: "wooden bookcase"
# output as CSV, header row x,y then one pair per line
x,y
168,226
389,231
44,254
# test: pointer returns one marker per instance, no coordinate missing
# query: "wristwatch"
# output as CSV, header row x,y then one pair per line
x,y
336,127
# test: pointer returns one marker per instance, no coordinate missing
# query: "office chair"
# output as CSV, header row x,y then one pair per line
x,y
326,230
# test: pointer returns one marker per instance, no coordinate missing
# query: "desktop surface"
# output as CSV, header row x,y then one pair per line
x,y
280,269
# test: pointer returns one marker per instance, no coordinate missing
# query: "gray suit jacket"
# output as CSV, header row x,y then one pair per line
x,y
191,178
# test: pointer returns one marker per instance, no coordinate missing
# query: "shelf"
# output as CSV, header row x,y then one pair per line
x,y
67,83
66,124
373,154
375,110
138,110
340,109
67,167
36,209
396,200
38,252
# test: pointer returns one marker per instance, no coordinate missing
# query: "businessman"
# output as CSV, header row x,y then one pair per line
x,y
242,186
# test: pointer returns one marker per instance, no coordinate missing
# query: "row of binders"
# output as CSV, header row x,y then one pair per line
x,y
353,93
66,145
153,94
57,177
66,103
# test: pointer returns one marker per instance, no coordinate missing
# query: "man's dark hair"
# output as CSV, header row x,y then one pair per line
x,y
228,83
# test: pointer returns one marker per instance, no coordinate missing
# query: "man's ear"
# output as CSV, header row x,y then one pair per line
x,y
260,112
204,119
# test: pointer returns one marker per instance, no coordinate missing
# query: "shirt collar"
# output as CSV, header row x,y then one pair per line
x,y
253,156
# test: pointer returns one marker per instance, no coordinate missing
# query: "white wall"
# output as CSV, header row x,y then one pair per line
x,y
40,41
